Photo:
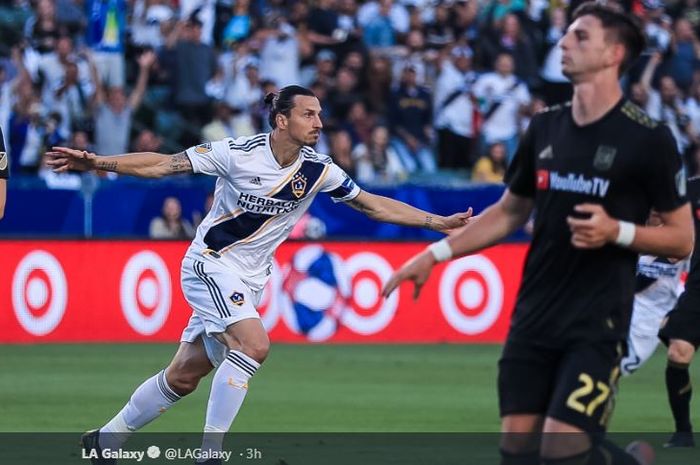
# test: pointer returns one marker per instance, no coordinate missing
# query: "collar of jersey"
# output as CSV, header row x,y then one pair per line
x,y
271,156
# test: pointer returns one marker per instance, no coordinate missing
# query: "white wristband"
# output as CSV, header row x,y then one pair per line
x,y
441,250
625,235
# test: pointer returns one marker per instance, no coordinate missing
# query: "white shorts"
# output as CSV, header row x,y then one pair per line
x,y
218,299
643,338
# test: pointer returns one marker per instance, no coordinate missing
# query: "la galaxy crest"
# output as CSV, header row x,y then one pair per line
x,y
298,185
3,160
237,298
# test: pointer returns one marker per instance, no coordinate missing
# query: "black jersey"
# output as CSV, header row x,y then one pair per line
x,y
626,162
693,281
4,160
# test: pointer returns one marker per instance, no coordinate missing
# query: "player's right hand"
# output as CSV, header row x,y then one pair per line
x,y
417,269
62,159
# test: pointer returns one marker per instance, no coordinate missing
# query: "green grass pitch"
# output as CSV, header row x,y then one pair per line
x,y
330,388
302,388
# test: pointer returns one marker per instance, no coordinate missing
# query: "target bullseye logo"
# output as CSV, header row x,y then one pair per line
x,y
145,292
370,313
39,292
471,294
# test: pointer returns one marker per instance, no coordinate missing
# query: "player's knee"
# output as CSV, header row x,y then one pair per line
x,y
258,349
520,434
181,382
680,352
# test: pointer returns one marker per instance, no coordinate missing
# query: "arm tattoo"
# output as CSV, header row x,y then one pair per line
x,y
107,165
428,224
180,163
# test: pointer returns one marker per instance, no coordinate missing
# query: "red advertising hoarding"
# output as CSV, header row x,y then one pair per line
x,y
119,291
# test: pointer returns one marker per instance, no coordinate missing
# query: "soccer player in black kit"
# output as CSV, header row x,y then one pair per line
x,y
680,331
592,169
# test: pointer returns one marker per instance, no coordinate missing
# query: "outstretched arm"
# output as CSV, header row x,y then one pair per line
x,y
144,164
494,224
388,210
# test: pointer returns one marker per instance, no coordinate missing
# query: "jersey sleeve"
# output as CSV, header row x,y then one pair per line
x,y
666,177
212,158
339,185
4,160
520,176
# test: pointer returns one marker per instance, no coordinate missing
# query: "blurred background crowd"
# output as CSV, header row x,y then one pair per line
x,y
410,89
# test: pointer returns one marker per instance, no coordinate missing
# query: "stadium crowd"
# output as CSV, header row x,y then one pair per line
x,y
408,87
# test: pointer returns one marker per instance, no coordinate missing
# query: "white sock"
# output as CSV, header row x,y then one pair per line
x,y
228,390
147,403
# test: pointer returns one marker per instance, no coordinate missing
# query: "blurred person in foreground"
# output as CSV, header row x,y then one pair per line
x,y
592,170
265,184
4,175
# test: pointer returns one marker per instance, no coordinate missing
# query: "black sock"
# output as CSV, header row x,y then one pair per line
x,y
531,458
679,392
607,453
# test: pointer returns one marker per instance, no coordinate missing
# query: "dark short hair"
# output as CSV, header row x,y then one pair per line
x,y
282,101
625,28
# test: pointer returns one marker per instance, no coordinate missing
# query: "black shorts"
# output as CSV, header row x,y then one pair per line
x,y
683,322
575,385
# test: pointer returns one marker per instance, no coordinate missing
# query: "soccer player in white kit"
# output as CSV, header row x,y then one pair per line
x,y
658,289
265,184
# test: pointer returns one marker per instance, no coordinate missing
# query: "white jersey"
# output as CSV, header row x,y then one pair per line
x,y
658,289
257,202
658,284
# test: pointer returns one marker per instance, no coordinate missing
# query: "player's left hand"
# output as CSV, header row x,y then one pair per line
x,y
593,232
417,269
456,221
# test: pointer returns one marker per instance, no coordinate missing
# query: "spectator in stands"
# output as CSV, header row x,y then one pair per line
x,y
241,24
106,35
410,117
379,80
502,97
454,110
279,56
377,161
227,122
245,91
71,99
147,141
666,104
341,151
509,38
415,55
343,96
151,22
440,32
491,167
556,88
42,29
382,22
686,51
26,135
114,110
323,71
171,225
192,64
359,123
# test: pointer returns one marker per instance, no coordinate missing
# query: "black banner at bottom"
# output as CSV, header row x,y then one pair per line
x,y
330,448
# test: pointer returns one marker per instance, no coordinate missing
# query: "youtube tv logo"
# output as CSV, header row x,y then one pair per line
x,y
542,180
